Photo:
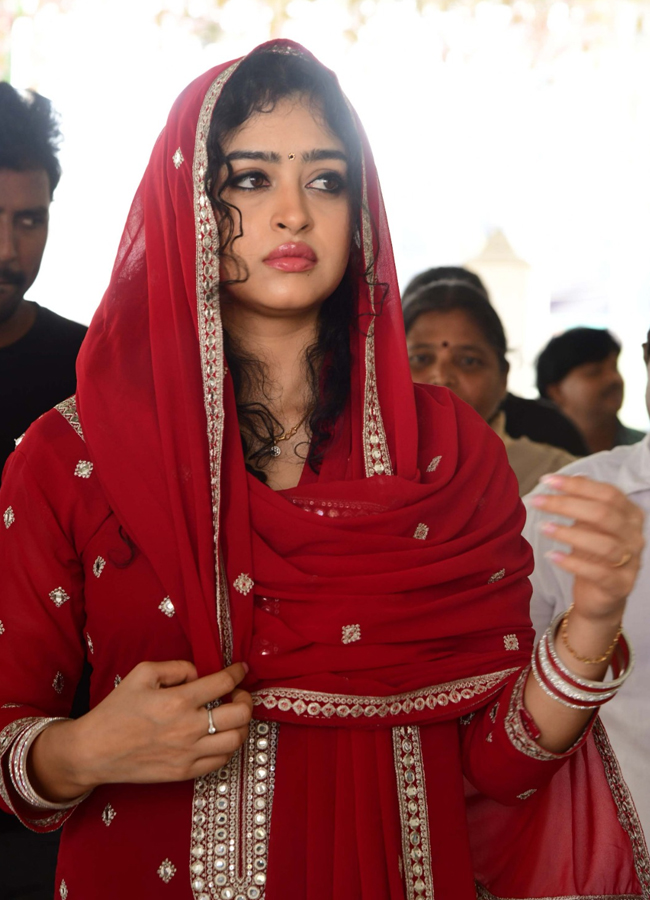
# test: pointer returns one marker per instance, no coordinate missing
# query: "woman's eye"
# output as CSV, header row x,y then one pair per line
x,y
420,360
250,181
329,182
470,362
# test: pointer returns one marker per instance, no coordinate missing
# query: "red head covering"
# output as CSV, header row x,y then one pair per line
x,y
398,568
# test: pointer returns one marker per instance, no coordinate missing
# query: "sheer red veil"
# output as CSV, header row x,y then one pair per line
x,y
380,590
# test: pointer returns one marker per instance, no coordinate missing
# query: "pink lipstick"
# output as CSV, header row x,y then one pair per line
x,y
292,257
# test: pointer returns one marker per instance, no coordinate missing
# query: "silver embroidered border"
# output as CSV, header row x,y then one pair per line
x,y
343,706
627,814
375,444
208,311
483,894
414,813
519,737
229,851
68,409
9,734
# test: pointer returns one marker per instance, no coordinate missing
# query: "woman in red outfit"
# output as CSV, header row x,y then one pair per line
x,y
251,506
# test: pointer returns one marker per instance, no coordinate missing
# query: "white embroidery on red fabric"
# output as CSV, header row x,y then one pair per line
x,y
84,468
497,576
421,531
243,583
58,596
167,607
9,517
166,870
351,633
108,815
178,159
511,642
433,465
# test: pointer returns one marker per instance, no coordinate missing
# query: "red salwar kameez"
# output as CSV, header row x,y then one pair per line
x,y
382,606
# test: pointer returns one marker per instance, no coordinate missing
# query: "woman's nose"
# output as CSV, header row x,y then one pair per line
x,y
441,373
292,211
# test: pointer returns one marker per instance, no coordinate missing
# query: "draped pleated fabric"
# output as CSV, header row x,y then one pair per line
x,y
382,604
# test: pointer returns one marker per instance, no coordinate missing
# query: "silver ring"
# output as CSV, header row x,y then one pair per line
x,y
212,728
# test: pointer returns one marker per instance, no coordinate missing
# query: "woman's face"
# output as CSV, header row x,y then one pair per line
x,y
290,184
449,349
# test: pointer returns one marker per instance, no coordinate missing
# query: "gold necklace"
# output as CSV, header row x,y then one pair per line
x,y
285,436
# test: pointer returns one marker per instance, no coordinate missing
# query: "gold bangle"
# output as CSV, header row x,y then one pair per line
x,y
585,659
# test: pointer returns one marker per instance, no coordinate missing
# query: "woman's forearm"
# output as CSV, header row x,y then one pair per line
x,y
55,765
561,726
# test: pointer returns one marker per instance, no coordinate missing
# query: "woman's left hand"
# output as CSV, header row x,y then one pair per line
x,y
605,541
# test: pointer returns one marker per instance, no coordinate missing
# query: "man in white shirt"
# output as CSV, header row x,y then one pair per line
x,y
628,719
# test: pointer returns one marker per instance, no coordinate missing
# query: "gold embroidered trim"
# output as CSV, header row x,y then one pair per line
x,y
225,625
627,814
9,734
519,737
483,894
414,813
209,314
343,706
375,444
68,410
231,821
433,465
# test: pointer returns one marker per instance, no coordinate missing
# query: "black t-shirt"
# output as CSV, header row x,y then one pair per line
x,y
36,372
543,422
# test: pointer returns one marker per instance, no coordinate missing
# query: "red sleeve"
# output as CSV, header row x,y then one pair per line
x,y
47,509
500,758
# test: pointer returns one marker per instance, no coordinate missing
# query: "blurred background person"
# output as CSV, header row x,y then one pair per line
x,y
578,372
455,339
38,348
628,721
538,420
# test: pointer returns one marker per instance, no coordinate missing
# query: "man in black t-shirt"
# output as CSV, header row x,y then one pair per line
x,y
38,350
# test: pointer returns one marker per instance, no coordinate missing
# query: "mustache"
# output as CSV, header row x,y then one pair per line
x,y
9,276
611,390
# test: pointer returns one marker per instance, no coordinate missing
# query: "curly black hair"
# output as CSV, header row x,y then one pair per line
x,y
29,133
263,79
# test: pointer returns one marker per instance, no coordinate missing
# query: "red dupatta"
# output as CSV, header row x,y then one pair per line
x,y
389,589
417,589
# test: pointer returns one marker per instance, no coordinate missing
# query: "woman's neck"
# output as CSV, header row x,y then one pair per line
x,y
279,344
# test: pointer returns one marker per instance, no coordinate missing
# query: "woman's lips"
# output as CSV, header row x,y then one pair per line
x,y
292,257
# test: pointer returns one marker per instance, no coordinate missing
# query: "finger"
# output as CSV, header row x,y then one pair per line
x,y
617,582
590,544
221,744
587,488
606,518
219,684
227,717
164,674
241,696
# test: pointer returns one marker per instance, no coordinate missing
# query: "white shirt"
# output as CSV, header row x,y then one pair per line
x,y
627,716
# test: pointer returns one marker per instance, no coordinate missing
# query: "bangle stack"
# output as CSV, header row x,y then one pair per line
x,y
18,768
570,689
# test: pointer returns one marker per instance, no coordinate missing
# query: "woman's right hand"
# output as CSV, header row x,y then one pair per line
x,y
152,728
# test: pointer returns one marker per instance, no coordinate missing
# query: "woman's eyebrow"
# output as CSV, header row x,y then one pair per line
x,y
326,153
270,156
264,155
